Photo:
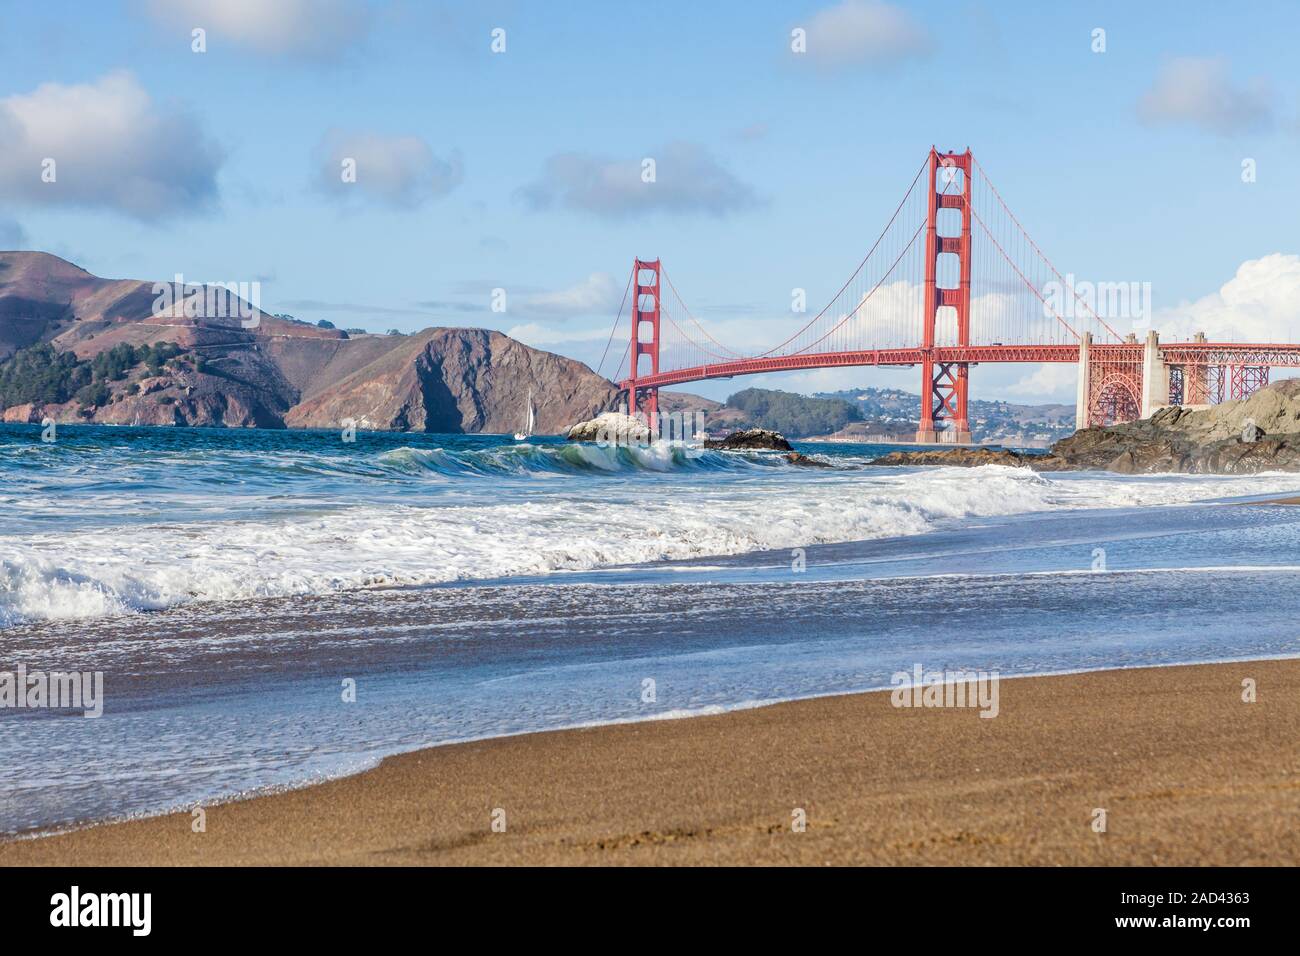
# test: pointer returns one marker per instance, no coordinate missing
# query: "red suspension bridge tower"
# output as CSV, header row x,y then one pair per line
x,y
645,310
946,385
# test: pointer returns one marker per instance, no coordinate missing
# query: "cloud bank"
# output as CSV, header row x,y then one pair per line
x,y
1258,304
111,148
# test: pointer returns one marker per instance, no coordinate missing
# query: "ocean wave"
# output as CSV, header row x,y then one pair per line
x,y
88,571
570,458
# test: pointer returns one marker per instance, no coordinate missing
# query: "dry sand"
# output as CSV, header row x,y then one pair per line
x,y
1187,772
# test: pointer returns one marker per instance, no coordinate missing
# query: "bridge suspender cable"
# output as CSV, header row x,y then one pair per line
x,y
863,301
682,302
1034,246
1029,285
861,266
888,272
603,356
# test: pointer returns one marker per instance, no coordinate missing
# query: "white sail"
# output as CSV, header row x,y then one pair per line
x,y
532,417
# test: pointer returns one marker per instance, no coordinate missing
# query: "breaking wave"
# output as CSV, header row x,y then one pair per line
x,y
330,536
570,458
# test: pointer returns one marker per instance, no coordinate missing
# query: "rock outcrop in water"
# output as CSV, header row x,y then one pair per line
x,y
751,439
961,457
265,371
798,458
1260,433
611,428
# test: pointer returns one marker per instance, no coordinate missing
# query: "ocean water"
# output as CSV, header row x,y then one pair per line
x,y
227,583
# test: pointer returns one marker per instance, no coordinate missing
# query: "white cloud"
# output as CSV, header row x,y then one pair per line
x,y
597,294
865,32
320,29
1050,382
687,181
1199,91
1258,304
112,147
400,171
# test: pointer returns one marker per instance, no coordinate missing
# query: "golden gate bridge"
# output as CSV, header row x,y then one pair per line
x,y
953,281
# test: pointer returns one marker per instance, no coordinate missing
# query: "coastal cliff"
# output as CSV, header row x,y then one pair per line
x,y
459,380
77,348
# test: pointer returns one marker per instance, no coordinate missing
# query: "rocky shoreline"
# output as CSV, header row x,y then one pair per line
x,y
1246,437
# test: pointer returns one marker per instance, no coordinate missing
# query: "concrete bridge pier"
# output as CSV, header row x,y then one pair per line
x,y
1155,377
1084,392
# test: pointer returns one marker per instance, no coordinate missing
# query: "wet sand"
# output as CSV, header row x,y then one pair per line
x,y
1187,773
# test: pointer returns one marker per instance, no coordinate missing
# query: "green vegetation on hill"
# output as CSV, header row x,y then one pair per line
x,y
44,375
41,374
793,415
114,363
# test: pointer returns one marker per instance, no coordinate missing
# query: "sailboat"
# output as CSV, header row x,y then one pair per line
x,y
532,419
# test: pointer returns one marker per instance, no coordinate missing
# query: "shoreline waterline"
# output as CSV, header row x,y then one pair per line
x,y
1167,727
709,711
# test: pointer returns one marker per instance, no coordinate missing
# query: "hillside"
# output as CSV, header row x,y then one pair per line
x,y
453,380
892,411
78,348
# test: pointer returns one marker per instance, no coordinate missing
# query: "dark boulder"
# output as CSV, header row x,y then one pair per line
x,y
750,439
796,458
959,457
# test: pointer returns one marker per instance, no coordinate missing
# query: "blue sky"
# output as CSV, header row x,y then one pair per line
x,y
1124,165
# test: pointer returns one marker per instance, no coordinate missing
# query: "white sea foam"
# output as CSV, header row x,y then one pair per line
x,y
532,528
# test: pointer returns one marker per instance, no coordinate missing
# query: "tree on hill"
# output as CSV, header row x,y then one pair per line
x,y
113,364
154,356
94,394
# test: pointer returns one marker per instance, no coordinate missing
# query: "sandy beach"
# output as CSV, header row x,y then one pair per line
x,y
1187,772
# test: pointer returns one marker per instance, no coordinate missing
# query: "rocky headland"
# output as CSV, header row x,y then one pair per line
x,y
1260,433
78,348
